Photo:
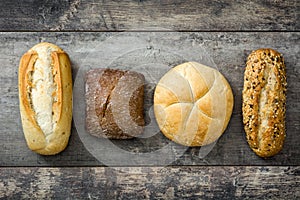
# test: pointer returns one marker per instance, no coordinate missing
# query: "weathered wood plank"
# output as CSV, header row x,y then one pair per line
x,y
176,15
229,51
151,183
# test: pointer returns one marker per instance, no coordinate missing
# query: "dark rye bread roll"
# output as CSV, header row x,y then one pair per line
x,y
264,100
114,100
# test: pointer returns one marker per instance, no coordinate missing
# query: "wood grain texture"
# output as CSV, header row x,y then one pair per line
x,y
229,51
118,15
151,183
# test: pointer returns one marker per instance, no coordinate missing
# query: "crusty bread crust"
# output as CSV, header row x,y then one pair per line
x,y
37,140
264,99
114,100
193,104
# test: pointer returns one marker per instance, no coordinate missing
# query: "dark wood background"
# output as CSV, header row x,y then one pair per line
x,y
228,30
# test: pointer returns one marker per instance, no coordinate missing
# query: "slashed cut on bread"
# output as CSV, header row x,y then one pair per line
x,y
45,94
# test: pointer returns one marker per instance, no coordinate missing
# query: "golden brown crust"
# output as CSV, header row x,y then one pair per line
x,y
27,114
264,99
193,104
36,139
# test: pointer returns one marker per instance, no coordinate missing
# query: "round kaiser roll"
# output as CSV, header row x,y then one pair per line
x,y
193,104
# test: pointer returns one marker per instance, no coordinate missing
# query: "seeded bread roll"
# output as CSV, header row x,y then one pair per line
x,y
264,99
114,100
45,94
193,104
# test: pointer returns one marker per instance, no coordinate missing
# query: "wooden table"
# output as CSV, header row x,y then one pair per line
x,y
227,30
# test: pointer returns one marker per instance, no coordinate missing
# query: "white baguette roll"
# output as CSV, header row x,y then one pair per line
x,y
45,94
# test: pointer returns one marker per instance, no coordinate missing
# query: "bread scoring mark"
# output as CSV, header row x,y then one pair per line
x,y
102,110
25,73
105,105
263,114
169,98
174,125
209,85
172,104
57,86
44,89
188,82
205,114
29,74
206,91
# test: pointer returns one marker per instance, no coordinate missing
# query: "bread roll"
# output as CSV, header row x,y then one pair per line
x,y
264,99
45,94
114,100
193,104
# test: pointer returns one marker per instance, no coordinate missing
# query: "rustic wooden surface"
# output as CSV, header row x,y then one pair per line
x,y
194,15
151,183
228,30
229,51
